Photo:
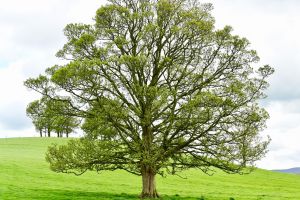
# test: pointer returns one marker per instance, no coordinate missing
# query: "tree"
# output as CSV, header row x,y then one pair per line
x,y
46,116
64,125
41,119
33,112
160,90
61,122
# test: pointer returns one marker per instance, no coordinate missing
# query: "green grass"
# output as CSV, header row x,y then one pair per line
x,y
24,175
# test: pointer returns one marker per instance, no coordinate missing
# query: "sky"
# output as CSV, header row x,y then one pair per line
x,y
31,32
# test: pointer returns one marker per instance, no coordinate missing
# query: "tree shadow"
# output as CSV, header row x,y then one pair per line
x,y
55,194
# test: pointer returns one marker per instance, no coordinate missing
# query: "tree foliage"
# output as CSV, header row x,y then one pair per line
x,y
48,116
160,90
41,119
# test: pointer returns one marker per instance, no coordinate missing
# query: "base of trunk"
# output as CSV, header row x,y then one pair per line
x,y
149,185
154,195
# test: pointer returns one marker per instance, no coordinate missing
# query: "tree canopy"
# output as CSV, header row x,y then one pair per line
x,y
160,90
41,119
48,116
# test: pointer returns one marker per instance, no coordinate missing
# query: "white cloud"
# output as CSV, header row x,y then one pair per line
x,y
31,34
284,129
273,29
14,98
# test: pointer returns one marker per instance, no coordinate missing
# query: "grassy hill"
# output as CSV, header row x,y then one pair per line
x,y
24,175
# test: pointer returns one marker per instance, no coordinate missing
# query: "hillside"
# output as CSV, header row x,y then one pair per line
x,y
295,170
25,175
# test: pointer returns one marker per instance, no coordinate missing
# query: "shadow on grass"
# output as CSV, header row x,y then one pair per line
x,y
82,195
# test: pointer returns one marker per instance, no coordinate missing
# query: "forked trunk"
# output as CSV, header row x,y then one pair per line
x,y
149,185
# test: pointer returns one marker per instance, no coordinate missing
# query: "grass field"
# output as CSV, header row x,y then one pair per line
x,y
24,175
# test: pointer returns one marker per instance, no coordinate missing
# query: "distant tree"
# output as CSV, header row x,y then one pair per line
x,y
47,117
33,111
64,125
41,120
159,90
70,124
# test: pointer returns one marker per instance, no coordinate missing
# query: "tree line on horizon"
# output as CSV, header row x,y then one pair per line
x,y
47,117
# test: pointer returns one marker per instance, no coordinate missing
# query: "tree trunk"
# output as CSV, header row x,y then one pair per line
x,y
149,185
49,133
41,133
57,134
148,170
67,134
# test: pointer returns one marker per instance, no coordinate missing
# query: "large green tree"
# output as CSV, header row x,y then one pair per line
x,y
160,90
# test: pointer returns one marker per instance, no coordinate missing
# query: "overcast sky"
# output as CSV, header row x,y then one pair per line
x,y
31,33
